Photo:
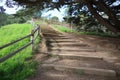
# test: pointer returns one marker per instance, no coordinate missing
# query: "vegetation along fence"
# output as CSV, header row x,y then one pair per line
x,y
32,37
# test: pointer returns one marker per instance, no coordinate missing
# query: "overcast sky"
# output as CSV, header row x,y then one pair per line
x,y
9,10
60,14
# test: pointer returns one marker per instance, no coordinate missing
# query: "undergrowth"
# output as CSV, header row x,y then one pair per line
x,y
98,34
62,28
65,29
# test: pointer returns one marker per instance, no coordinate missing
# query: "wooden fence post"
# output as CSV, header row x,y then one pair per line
x,y
38,30
32,40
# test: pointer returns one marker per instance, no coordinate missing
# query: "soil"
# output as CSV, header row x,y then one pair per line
x,y
106,48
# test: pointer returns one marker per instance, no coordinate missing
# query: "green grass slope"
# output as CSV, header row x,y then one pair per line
x,y
17,67
65,29
62,28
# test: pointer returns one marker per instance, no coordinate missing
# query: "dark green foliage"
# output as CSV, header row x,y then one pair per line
x,y
85,21
14,72
93,8
28,12
99,34
96,9
55,18
2,10
6,19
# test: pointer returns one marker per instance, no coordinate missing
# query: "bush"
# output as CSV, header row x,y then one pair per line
x,y
10,19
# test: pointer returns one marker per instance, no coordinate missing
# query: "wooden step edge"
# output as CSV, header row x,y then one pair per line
x,y
69,44
53,41
74,49
53,34
82,50
82,70
59,37
77,57
67,39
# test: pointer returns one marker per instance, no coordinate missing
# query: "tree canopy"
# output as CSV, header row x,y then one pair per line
x,y
107,12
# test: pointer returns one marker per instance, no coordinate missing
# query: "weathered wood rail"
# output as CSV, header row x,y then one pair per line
x,y
33,36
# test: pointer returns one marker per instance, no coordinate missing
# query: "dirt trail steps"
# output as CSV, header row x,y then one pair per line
x,y
69,59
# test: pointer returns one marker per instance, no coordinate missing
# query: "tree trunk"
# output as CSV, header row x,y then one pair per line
x,y
111,14
100,18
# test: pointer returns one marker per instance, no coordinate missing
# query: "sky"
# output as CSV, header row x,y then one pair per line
x,y
60,14
9,10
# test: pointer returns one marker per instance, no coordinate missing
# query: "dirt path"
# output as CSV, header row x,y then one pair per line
x,y
70,58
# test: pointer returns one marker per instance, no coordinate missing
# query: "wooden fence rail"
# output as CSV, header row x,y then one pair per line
x,y
32,39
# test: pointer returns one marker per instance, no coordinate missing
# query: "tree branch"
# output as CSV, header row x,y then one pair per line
x,y
109,12
99,18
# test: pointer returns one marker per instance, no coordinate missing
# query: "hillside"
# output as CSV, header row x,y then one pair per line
x,y
15,68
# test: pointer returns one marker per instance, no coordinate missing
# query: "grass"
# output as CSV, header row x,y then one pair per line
x,y
21,65
65,29
98,34
62,28
39,22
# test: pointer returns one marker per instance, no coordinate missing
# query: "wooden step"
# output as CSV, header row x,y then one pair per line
x,y
83,70
79,63
48,74
64,40
72,47
55,37
77,49
76,53
52,34
68,44
77,56
74,50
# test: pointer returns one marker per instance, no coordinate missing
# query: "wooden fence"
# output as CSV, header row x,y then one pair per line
x,y
32,37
